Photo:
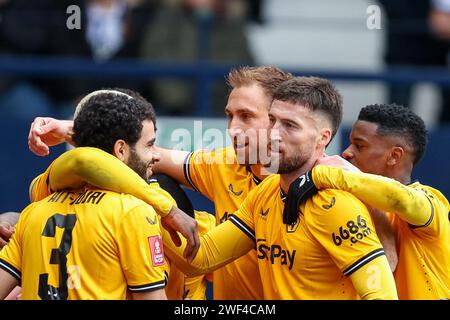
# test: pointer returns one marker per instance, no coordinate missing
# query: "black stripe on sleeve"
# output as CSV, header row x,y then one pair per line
x,y
361,262
429,220
243,227
11,270
187,174
148,287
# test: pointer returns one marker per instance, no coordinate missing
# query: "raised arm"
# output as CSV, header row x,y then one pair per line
x,y
383,193
79,166
171,163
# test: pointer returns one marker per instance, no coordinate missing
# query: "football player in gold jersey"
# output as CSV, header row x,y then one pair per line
x,y
45,132
328,248
389,140
89,243
178,285
225,176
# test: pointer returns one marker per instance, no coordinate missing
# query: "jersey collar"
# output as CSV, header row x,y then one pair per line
x,y
282,195
255,178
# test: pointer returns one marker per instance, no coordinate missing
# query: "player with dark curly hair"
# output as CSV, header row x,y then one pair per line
x,y
110,246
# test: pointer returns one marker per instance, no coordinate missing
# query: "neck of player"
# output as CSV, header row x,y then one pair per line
x,y
259,171
287,178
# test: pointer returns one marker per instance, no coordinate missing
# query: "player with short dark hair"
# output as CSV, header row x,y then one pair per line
x,y
388,141
325,249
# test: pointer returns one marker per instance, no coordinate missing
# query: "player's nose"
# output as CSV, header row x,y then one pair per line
x,y
348,153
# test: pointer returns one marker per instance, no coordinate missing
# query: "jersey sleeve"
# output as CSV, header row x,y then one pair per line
x,y
439,215
40,186
343,226
220,246
375,281
243,217
141,249
199,169
410,204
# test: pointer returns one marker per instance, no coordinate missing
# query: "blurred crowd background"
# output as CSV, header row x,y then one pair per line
x,y
177,53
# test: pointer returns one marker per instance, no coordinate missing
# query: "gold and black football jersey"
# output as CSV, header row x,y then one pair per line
x,y
93,244
219,177
423,269
420,215
313,259
178,286
332,252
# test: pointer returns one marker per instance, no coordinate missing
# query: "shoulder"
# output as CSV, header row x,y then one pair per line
x,y
431,193
439,203
270,182
217,156
123,204
334,201
26,211
269,185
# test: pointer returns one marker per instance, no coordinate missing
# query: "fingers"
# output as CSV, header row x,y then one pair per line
x,y
35,143
6,232
179,221
175,237
193,244
2,243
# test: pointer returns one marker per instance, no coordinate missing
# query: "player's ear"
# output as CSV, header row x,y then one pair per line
x,y
395,155
121,150
325,137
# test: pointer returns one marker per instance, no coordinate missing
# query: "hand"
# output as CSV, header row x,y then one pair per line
x,y
47,132
16,294
179,221
337,161
300,190
6,232
387,234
